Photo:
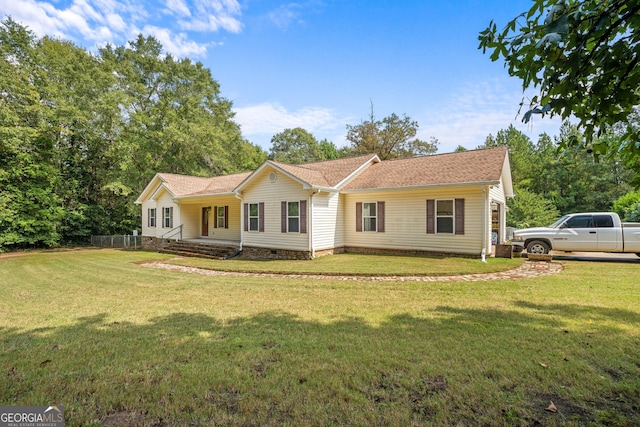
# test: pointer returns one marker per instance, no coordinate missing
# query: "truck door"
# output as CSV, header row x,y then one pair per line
x,y
609,237
577,234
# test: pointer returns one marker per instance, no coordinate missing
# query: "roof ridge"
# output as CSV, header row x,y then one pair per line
x,y
453,153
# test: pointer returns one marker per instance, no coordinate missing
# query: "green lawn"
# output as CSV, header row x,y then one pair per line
x,y
117,343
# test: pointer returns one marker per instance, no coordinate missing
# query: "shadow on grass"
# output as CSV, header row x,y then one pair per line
x,y
453,366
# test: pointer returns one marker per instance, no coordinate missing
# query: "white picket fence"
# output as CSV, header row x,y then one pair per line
x,y
126,241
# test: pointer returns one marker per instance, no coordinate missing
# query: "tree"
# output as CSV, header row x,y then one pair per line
x,y
626,202
81,134
30,210
520,153
296,146
390,138
528,209
633,213
582,57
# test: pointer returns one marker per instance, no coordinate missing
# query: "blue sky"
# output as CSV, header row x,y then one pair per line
x,y
319,64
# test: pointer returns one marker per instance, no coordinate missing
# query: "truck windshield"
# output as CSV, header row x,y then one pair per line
x,y
558,222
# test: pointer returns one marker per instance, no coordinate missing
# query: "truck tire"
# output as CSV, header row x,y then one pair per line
x,y
538,247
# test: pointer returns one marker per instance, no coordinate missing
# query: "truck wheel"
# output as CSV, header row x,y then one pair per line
x,y
538,247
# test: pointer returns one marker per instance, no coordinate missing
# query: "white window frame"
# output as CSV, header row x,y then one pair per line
x,y
296,218
255,217
220,219
369,217
166,217
452,216
152,217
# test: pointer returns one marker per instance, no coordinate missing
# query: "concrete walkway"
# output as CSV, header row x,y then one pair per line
x,y
528,269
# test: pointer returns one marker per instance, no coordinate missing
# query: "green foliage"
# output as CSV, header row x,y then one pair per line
x,y
297,146
624,202
520,152
544,182
391,138
82,134
583,58
632,214
528,209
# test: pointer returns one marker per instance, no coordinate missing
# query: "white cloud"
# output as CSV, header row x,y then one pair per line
x,y
285,14
260,122
178,45
476,110
212,16
118,21
178,7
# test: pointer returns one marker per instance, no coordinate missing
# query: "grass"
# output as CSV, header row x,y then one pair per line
x,y
117,343
356,264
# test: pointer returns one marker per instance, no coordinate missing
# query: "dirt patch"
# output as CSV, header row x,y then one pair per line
x,y
226,398
124,419
564,410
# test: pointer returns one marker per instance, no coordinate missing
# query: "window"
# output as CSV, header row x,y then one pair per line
x,y
444,216
254,217
167,217
603,221
579,221
293,217
152,217
220,217
369,216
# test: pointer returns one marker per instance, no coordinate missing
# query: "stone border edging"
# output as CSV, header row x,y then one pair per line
x,y
528,269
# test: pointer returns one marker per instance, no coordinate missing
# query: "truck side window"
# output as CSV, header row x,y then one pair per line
x,y
580,221
603,221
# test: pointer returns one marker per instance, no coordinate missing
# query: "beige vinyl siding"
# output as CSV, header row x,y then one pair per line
x,y
190,215
327,221
496,193
146,230
405,221
272,194
162,200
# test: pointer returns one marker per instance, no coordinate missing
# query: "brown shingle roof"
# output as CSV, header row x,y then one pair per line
x,y
328,173
454,168
184,185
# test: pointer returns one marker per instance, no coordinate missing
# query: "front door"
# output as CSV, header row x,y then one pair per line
x,y
205,220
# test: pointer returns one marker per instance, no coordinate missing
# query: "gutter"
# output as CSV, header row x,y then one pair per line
x,y
483,254
200,196
241,222
420,187
310,223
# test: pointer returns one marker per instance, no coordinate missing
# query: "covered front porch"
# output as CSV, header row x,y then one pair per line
x,y
211,220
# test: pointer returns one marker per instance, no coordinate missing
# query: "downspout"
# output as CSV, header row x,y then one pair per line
x,y
312,249
483,254
241,222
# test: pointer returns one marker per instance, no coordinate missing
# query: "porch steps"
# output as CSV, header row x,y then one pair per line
x,y
193,249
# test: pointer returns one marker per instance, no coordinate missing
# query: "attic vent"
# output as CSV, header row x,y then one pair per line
x,y
273,177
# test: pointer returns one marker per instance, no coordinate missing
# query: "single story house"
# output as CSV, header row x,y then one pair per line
x,y
445,204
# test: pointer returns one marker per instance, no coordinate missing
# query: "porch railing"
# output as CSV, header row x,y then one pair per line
x,y
174,233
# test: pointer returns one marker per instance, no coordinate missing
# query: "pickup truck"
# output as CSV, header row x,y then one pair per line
x,y
581,232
